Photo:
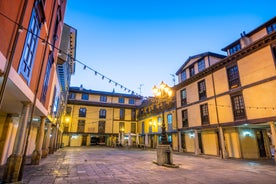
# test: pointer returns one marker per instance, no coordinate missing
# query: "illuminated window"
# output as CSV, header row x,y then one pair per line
x,y
238,107
233,77
133,128
170,122
204,114
122,126
201,90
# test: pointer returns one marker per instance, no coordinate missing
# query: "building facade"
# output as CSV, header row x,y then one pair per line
x,y
151,114
226,105
30,36
97,117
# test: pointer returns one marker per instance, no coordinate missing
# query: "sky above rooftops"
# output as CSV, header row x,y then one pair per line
x,y
139,43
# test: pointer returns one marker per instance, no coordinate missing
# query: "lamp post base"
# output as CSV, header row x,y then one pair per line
x,y
164,154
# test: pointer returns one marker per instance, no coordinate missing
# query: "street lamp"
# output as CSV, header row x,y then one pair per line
x,y
164,150
163,92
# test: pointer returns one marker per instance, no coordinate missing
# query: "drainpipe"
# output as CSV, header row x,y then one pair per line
x,y
222,149
36,93
9,61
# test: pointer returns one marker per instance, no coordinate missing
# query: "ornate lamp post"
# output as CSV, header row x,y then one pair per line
x,y
164,150
163,92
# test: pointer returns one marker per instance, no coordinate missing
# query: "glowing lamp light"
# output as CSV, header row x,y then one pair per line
x,y
192,135
247,133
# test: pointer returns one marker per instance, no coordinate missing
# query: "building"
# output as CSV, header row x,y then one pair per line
x,y
30,35
150,116
98,117
226,105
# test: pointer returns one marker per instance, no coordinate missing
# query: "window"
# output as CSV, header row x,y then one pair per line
x,y
68,111
81,125
238,107
192,71
131,101
183,75
201,65
183,97
150,126
47,77
204,114
82,112
143,127
234,49
103,98
72,95
101,127
170,122
133,114
201,90
84,96
122,126
159,122
102,113
122,114
133,128
233,77
121,100
185,118
29,50
271,28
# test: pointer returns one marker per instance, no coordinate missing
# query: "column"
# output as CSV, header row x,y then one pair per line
x,y
52,140
45,147
197,150
273,137
179,142
6,139
224,153
13,165
37,153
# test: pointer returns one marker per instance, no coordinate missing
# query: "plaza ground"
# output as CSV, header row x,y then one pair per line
x,y
98,164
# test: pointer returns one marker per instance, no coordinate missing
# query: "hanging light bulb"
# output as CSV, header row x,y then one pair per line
x,y
102,77
96,72
84,67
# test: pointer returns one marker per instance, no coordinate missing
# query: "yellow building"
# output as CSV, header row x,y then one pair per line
x,y
150,117
226,105
98,117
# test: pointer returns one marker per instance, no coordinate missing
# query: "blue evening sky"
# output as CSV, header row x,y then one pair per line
x,y
142,42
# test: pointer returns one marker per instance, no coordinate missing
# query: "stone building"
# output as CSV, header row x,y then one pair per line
x,y
226,105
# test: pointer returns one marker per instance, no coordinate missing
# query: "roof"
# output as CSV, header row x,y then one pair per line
x,y
199,56
89,91
251,33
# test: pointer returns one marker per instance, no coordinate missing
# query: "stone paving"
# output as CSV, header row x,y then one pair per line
x,y
85,165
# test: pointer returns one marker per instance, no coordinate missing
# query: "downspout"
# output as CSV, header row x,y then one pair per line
x,y
9,61
221,138
36,93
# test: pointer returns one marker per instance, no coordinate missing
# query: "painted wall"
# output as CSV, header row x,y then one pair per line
x,y
232,142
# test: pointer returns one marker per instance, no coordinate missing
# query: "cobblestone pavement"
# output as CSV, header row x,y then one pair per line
x,y
85,165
